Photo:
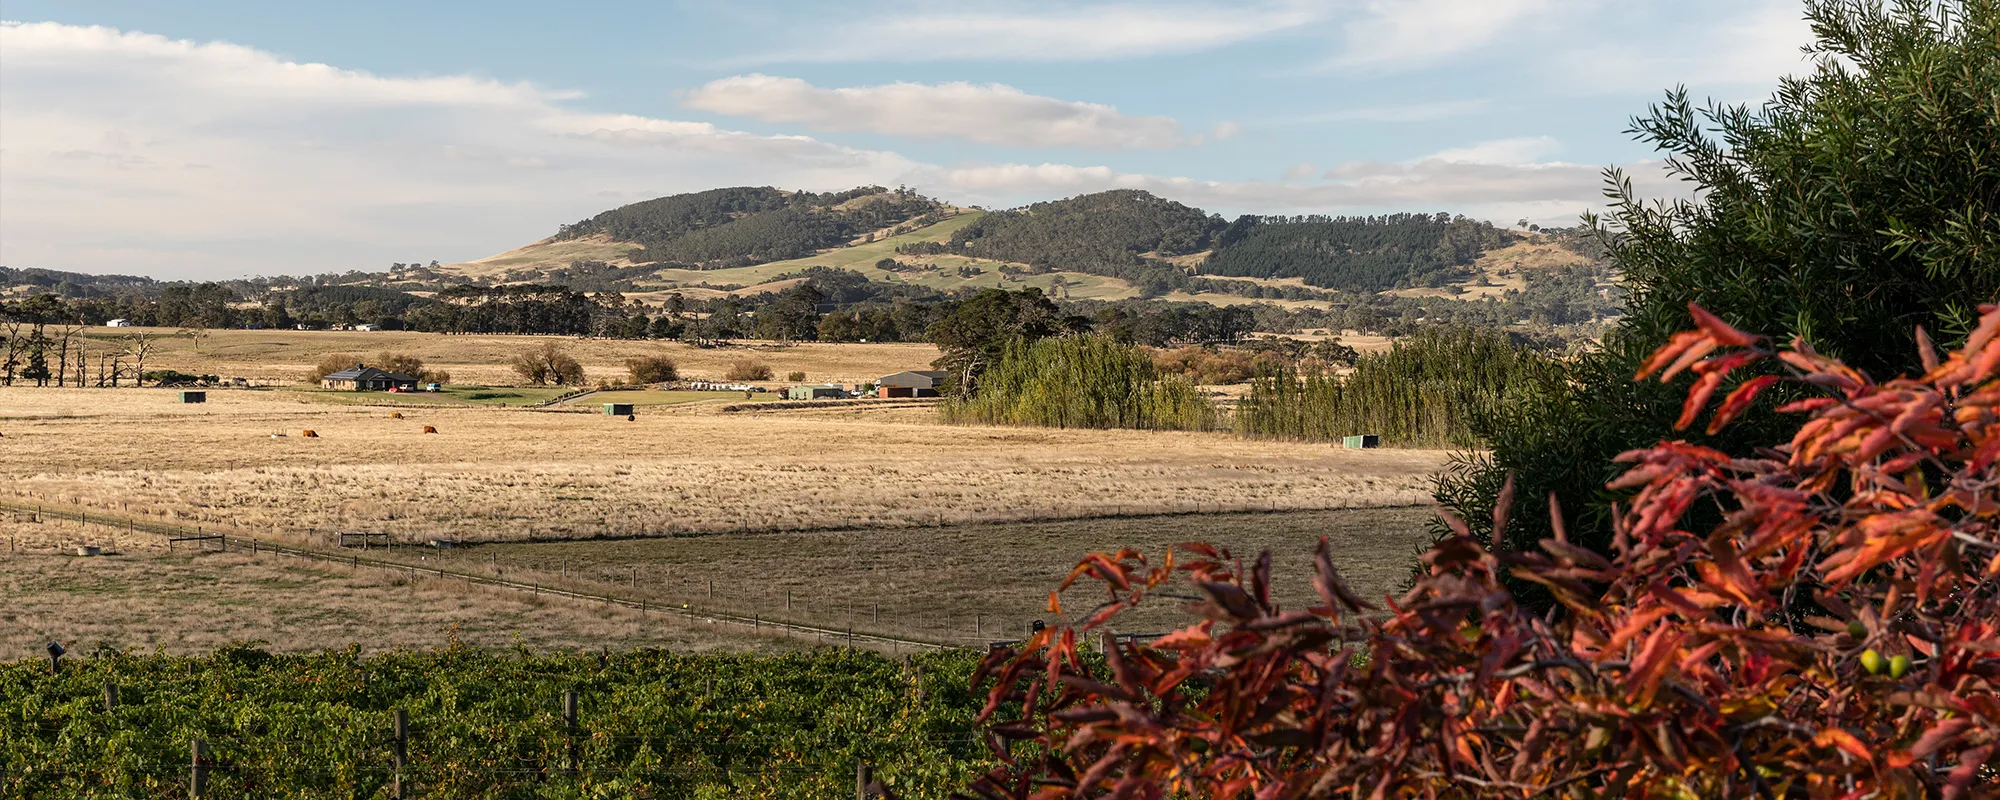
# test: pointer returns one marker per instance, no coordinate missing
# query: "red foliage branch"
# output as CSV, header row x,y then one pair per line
x,y
1836,633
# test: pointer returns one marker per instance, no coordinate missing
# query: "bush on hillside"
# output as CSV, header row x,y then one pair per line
x,y
548,364
1831,635
652,369
747,369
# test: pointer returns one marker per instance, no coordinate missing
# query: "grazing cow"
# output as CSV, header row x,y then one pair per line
x,y
309,434
429,429
395,415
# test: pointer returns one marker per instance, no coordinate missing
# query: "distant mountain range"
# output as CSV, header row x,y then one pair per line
x,y
1107,245
1122,242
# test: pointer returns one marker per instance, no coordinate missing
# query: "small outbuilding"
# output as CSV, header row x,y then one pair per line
x,y
815,393
1363,441
914,383
618,409
118,323
365,378
194,397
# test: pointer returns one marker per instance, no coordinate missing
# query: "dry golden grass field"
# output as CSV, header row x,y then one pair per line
x,y
139,597
287,356
512,474
959,584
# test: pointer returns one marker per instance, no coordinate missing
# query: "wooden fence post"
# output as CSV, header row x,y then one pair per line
x,y
198,769
864,774
402,742
569,724
110,696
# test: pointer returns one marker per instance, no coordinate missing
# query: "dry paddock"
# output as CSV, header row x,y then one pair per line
x,y
512,474
138,597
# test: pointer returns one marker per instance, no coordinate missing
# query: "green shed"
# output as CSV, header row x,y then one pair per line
x,y
1366,440
618,409
194,397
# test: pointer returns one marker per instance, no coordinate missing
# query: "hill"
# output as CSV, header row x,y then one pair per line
x,y
1357,254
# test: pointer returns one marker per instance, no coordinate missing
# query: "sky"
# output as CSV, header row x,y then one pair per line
x,y
211,139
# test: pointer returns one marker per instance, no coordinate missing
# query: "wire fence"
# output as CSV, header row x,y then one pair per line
x,y
792,622
758,608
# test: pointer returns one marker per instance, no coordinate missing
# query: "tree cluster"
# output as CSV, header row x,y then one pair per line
x,y
1358,254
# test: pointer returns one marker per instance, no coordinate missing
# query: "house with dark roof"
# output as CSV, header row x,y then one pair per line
x,y
915,383
364,378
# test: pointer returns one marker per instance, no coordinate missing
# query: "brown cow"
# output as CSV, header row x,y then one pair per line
x,y
309,434
429,429
395,415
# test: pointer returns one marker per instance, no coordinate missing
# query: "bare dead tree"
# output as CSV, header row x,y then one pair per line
x,y
15,344
139,346
64,334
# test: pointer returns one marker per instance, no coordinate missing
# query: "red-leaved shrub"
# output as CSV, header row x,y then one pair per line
x,y
1835,633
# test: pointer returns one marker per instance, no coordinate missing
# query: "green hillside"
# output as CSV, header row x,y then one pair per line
x,y
744,225
1123,234
942,271
1359,254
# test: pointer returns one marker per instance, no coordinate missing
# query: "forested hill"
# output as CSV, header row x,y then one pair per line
x,y
1123,234
1397,251
750,225
72,284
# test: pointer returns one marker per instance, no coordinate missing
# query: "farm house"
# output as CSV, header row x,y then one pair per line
x,y
814,393
916,383
365,378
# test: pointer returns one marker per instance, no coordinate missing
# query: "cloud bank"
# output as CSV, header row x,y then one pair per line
x,y
989,113
129,152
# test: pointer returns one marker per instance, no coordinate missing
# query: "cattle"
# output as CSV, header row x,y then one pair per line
x,y
395,415
309,434
430,429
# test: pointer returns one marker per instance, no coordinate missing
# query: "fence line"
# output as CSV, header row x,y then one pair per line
x,y
755,623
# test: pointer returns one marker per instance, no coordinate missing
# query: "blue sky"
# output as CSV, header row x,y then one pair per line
x,y
212,139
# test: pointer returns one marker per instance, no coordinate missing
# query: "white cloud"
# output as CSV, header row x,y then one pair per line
x,y
1525,150
1402,33
132,152
1301,171
990,113
126,152
1736,45
1051,33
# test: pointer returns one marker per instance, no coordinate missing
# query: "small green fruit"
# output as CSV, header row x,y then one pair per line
x,y
1898,666
1857,630
1871,661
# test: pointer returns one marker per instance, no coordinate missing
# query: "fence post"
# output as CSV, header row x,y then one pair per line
x,y
864,774
402,725
198,769
569,723
110,696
